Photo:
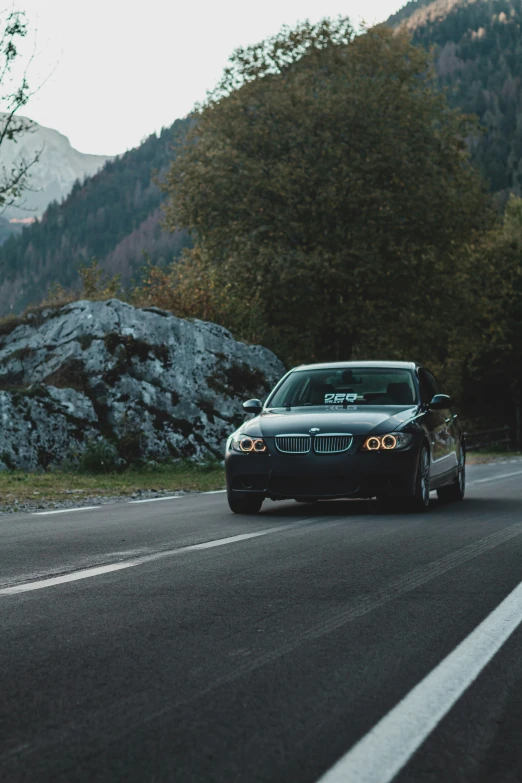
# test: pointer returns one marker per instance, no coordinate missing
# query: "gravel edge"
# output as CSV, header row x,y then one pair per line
x,y
90,500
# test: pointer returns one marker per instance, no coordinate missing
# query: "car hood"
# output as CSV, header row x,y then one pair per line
x,y
358,421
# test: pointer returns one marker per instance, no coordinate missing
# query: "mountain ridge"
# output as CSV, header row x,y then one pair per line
x,y
113,216
52,177
478,56
412,7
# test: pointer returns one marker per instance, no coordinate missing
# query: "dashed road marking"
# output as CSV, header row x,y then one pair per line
x,y
86,573
64,511
153,500
495,478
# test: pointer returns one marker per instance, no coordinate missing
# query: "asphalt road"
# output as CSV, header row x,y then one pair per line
x,y
173,641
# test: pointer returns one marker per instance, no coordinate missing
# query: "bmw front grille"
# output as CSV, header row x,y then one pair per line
x,y
293,444
333,443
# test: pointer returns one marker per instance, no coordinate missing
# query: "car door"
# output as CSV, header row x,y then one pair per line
x,y
440,426
452,436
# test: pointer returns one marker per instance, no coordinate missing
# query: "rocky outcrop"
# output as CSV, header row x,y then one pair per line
x,y
137,383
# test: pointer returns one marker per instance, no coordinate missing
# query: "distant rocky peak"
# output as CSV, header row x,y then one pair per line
x,y
54,174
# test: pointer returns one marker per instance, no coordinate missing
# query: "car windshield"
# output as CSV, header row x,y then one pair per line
x,y
345,386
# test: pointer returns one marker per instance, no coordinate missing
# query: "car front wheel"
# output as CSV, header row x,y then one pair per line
x,y
457,489
244,503
421,499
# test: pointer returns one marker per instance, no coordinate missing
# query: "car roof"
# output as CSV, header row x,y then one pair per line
x,y
342,365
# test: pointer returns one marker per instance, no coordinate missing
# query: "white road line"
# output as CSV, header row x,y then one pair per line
x,y
214,492
88,572
495,478
58,580
153,500
64,511
385,750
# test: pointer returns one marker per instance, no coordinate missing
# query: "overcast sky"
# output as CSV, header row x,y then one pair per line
x,y
118,70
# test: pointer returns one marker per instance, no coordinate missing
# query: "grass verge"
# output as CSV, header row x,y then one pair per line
x,y
20,488
481,457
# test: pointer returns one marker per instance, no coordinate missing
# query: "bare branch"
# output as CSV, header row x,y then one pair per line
x,y
14,180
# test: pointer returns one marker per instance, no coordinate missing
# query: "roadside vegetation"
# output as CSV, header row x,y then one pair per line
x,y
19,488
484,457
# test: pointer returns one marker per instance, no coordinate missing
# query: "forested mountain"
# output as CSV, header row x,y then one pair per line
x,y
479,61
113,216
7,229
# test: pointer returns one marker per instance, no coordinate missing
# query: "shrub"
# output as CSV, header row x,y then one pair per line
x,y
99,456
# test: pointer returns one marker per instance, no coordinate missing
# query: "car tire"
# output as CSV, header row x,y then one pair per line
x,y
243,503
457,489
421,498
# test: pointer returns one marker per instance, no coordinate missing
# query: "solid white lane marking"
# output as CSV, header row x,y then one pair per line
x,y
89,572
214,492
64,511
495,478
385,750
153,500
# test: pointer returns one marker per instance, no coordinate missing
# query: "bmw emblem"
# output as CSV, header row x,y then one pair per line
x,y
315,429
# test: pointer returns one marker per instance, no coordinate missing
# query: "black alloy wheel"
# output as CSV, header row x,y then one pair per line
x,y
457,489
244,503
421,499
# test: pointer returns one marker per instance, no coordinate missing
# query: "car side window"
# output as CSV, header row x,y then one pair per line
x,y
429,386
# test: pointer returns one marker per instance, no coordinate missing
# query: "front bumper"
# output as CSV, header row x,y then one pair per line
x,y
349,474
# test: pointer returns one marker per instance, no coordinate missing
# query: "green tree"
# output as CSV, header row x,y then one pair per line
x,y
327,183
493,341
13,179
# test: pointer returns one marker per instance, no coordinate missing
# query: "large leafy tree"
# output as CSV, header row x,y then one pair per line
x,y
492,344
14,94
328,187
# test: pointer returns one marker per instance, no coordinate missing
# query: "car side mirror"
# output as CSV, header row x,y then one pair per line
x,y
439,402
253,406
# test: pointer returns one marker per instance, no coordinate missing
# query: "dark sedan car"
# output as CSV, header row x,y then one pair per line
x,y
345,430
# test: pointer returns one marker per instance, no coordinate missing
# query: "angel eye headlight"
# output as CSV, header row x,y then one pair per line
x,y
389,442
393,441
247,445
